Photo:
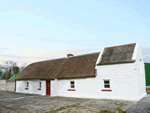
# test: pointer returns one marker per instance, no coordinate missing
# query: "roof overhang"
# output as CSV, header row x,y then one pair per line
x,y
132,61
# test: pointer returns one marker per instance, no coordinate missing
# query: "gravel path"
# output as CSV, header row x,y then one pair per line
x,y
11,102
142,106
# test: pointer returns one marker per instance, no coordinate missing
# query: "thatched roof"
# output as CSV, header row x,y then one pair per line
x,y
117,54
72,67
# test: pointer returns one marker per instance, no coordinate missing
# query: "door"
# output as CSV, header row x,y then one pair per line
x,y
48,88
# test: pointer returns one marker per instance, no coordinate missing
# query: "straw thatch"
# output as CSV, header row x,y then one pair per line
x,y
72,67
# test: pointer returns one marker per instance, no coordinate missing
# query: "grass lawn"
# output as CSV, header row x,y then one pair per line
x,y
147,89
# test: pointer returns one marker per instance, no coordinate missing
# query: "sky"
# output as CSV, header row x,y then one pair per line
x,y
35,30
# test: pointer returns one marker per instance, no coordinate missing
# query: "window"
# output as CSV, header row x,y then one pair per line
x,y
106,84
40,84
27,84
72,84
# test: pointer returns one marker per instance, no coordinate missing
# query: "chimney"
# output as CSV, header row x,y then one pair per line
x,y
70,55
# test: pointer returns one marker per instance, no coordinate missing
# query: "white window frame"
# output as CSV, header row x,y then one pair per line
x,y
72,84
40,84
106,83
27,84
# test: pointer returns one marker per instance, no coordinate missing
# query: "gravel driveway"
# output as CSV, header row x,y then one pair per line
x,y
11,102
142,106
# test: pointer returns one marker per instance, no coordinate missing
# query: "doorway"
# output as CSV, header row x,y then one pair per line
x,y
48,88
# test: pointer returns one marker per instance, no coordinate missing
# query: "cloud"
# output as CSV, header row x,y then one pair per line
x,y
17,56
72,41
64,52
146,54
18,35
146,51
22,59
3,49
147,59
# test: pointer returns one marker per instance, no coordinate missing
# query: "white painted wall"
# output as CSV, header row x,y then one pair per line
x,y
123,83
7,85
54,87
141,73
33,86
3,81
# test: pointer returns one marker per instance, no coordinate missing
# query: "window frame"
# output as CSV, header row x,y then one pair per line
x,y
27,84
108,84
72,83
40,84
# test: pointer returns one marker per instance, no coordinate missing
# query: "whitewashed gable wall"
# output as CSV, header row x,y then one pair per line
x,y
140,72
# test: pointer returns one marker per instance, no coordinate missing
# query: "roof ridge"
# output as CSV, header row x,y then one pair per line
x,y
120,45
64,57
48,60
85,54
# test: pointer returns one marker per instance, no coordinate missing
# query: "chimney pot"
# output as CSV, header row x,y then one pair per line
x,y
70,55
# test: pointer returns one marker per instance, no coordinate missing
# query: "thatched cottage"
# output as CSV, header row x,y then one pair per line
x,y
115,73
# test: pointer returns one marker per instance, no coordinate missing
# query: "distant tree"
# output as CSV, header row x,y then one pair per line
x,y
1,71
1,74
10,73
9,65
15,70
4,76
7,68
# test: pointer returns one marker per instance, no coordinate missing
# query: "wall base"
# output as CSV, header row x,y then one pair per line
x,y
109,98
142,96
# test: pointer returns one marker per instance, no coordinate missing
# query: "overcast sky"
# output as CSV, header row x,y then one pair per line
x,y
34,30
